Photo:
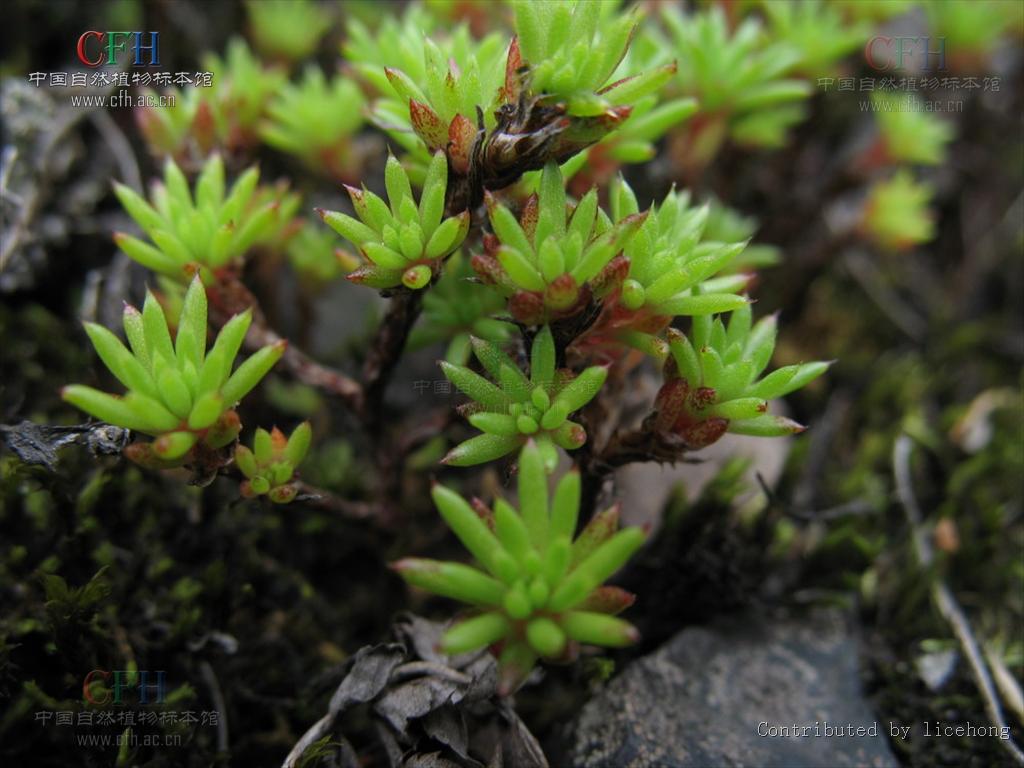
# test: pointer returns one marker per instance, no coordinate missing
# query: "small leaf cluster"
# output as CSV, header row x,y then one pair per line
x,y
896,215
269,466
435,93
495,124
971,29
554,258
634,139
909,134
403,244
313,254
873,10
669,271
437,88
225,116
738,79
177,391
213,231
173,131
712,381
727,225
242,89
574,48
456,309
427,88
818,31
397,42
315,120
514,408
537,592
287,30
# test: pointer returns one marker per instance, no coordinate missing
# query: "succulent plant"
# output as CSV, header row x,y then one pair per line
x,y
431,89
212,232
738,80
404,244
396,42
239,96
269,466
665,270
633,140
315,257
497,123
896,215
818,31
537,593
177,392
289,30
909,134
457,308
873,10
573,49
222,117
712,385
516,408
553,259
315,121
169,130
285,222
970,29
727,225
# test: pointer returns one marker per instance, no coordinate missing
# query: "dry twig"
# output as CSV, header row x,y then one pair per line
x,y
943,596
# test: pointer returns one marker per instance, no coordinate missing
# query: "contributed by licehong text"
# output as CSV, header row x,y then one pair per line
x,y
926,729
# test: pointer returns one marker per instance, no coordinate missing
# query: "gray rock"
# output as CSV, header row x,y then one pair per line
x,y
647,486
703,697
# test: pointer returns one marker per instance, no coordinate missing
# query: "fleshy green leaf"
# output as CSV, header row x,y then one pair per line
x,y
397,183
582,389
250,372
565,506
542,358
432,200
545,637
598,566
599,629
470,529
128,370
533,495
481,449
298,444
471,634
454,580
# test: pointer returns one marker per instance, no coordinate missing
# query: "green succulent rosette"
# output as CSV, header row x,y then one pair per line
x,y
178,393
537,591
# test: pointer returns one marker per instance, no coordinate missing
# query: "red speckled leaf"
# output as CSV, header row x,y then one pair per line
x,y
528,217
428,125
610,600
611,276
510,91
703,434
527,307
701,398
562,292
669,403
461,138
489,269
